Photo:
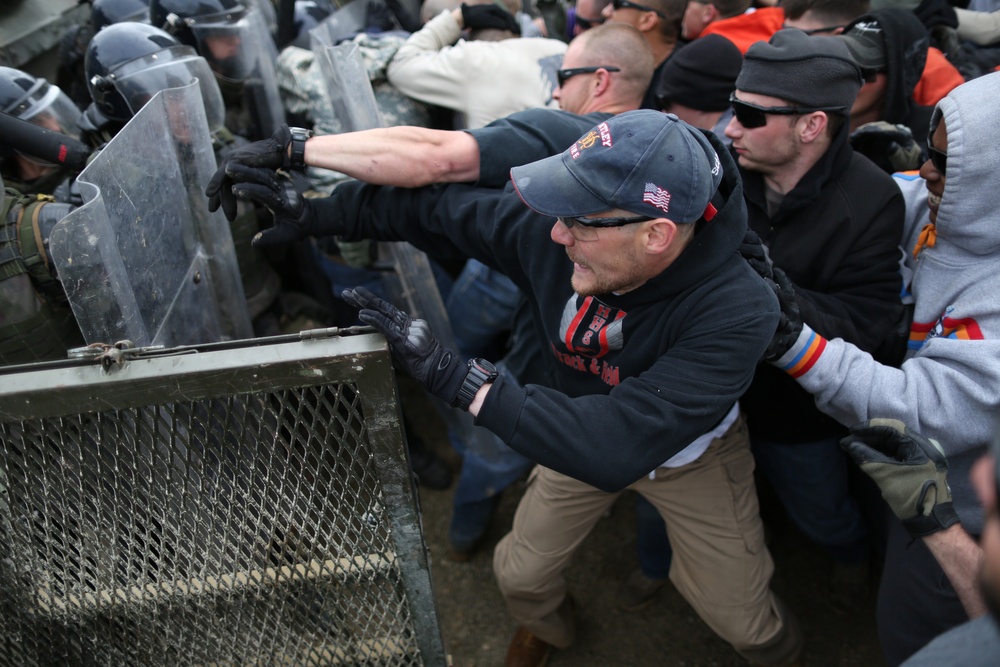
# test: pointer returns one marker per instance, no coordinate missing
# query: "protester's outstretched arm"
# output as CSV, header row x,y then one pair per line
x,y
911,472
959,557
404,156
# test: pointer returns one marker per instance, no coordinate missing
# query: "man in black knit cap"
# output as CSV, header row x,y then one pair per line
x,y
832,222
698,79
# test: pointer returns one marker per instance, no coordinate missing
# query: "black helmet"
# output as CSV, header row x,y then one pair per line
x,y
308,14
37,101
177,16
109,50
107,12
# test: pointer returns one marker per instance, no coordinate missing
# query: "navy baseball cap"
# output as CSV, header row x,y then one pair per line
x,y
644,162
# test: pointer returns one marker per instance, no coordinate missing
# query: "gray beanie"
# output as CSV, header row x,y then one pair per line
x,y
803,70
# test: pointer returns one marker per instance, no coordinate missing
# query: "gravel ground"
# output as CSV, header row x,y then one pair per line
x,y
477,627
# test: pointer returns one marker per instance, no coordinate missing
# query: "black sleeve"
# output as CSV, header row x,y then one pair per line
x,y
525,137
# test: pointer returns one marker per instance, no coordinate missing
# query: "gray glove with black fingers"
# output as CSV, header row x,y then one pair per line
x,y
892,147
910,471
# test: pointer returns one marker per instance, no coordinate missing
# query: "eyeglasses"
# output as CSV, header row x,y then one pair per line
x,y
564,74
938,158
585,229
751,115
817,31
587,24
628,4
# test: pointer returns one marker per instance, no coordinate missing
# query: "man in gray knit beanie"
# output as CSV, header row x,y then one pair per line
x,y
832,222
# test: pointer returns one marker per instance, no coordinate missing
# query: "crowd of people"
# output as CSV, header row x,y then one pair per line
x,y
688,249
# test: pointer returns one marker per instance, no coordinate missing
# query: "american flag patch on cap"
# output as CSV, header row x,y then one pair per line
x,y
657,197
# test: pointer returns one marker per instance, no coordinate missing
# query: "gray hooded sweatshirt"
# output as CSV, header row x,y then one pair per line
x,y
948,387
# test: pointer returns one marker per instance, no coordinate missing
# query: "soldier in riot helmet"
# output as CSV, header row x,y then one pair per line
x,y
37,101
235,40
128,63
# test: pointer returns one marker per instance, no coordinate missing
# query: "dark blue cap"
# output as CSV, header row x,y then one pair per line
x,y
644,162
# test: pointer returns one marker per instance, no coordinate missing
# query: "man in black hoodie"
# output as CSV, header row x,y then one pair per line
x,y
887,125
625,247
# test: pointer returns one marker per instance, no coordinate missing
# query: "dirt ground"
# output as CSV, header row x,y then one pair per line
x,y
477,627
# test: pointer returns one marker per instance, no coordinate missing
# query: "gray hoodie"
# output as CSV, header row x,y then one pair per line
x,y
948,388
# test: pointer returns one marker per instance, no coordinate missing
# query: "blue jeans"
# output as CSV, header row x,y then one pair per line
x,y
810,479
481,307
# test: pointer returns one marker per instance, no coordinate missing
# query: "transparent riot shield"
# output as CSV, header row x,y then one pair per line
x,y
411,284
143,259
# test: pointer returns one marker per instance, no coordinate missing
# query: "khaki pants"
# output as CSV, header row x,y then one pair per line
x,y
720,563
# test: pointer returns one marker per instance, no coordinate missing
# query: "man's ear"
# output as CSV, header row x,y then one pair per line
x,y
812,126
659,235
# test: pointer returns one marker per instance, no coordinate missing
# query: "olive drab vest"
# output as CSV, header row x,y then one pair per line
x,y
36,322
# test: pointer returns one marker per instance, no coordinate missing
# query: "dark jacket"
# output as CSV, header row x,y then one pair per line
x,y
837,236
673,355
906,44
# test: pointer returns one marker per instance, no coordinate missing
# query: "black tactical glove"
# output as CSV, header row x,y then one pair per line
x,y
294,217
479,17
268,153
891,147
790,323
413,345
754,252
909,469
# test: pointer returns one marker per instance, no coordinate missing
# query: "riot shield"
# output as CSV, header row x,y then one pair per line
x,y
411,284
347,21
143,259
241,52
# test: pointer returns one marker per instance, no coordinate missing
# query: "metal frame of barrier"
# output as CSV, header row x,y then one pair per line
x,y
247,502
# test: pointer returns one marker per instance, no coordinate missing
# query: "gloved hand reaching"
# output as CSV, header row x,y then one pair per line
x,y
413,345
294,217
754,252
910,470
790,324
891,147
479,17
268,154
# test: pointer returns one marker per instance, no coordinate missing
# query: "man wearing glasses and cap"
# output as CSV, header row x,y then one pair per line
x,y
626,247
832,222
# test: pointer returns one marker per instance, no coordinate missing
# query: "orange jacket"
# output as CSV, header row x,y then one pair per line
x,y
938,79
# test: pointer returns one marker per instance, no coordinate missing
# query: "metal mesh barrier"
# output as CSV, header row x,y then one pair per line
x,y
245,506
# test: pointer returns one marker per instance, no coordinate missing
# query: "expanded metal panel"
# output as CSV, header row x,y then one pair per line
x,y
234,507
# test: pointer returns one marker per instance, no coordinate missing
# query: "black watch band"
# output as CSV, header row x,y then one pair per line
x,y
299,138
480,373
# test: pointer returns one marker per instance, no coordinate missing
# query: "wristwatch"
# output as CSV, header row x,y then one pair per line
x,y
480,373
299,137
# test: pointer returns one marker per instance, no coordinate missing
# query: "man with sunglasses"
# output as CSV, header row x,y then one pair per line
x,y
660,23
588,14
832,222
948,386
651,325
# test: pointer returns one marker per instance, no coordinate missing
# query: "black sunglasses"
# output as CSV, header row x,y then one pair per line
x,y
628,4
570,221
587,24
564,74
938,158
751,115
